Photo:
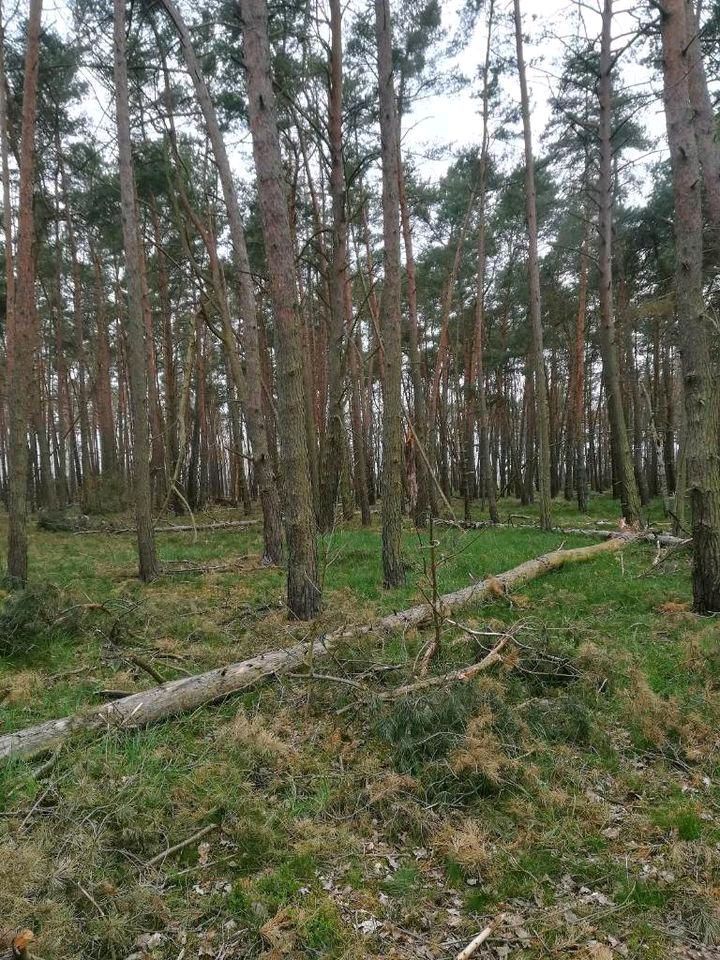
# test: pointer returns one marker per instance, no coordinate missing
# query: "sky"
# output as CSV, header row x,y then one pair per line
x,y
455,120
452,120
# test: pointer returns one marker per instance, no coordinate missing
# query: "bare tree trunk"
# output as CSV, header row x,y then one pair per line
x,y
24,333
704,122
7,204
576,418
332,447
253,401
538,359
390,319
423,501
303,584
136,355
629,496
477,367
696,332
103,390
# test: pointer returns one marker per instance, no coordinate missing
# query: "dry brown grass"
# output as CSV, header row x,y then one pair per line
x,y
481,751
466,843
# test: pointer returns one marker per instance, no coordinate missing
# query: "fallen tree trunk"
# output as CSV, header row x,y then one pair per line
x,y
188,693
651,536
184,527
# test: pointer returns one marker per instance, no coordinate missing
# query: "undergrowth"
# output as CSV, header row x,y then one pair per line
x,y
570,791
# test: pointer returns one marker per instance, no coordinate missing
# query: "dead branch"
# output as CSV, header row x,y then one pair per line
x,y
472,948
146,666
462,676
189,693
158,858
176,527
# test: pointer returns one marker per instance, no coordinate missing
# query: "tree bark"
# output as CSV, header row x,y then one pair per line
x,y
538,358
390,313
135,338
303,590
695,329
24,332
704,122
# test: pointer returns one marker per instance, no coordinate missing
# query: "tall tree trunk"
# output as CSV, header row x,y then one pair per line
x,y
136,355
424,498
629,495
332,447
477,367
103,389
695,329
253,401
576,419
390,313
303,584
704,123
538,359
24,332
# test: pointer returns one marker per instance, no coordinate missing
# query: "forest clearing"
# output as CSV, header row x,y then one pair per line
x,y
360,465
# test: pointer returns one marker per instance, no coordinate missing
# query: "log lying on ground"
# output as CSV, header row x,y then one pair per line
x,y
188,693
184,527
651,536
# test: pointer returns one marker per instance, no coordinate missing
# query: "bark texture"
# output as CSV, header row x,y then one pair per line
x,y
135,339
695,329
23,333
390,316
303,589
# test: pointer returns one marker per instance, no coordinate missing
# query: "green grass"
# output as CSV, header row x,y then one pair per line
x,y
579,780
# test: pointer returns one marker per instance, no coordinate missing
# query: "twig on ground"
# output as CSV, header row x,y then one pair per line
x,y
90,898
181,846
147,667
329,677
475,944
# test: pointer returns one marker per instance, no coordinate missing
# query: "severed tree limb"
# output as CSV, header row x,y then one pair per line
x,y
188,693
174,527
472,948
462,675
651,536
158,858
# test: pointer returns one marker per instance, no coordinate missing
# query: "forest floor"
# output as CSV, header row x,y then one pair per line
x,y
571,796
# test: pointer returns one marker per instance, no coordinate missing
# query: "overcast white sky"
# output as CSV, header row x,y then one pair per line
x,y
454,120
